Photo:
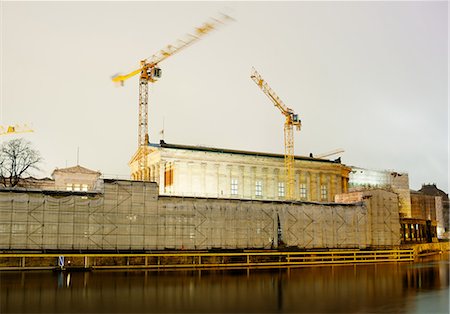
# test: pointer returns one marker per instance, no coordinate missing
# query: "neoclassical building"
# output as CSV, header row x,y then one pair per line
x,y
215,172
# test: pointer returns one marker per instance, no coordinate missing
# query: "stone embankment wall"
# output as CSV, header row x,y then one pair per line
x,y
130,215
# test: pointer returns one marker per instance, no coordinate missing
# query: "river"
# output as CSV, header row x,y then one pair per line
x,y
376,288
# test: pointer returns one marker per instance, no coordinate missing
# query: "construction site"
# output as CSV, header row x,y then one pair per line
x,y
130,215
195,198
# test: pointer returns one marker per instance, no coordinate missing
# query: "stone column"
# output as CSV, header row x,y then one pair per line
x,y
162,167
297,182
319,186
333,191
155,174
229,175
265,183
253,181
241,179
247,182
147,173
203,178
328,179
344,185
150,174
176,177
213,179
217,177
189,180
277,177
308,185
313,186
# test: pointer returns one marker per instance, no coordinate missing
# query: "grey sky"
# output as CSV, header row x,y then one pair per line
x,y
368,77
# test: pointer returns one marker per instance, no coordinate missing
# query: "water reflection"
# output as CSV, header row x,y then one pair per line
x,y
399,288
426,276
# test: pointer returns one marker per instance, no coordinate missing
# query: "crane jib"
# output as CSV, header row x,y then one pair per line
x,y
149,72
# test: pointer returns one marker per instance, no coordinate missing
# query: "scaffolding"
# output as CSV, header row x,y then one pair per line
x,y
130,215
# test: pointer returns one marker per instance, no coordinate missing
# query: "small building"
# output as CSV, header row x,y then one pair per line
x,y
432,189
75,178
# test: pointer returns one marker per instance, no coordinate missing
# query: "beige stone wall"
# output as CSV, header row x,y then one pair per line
x,y
130,215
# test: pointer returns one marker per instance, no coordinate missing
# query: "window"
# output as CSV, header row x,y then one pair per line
x,y
258,188
77,187
323,192
234,186
303,190
281,189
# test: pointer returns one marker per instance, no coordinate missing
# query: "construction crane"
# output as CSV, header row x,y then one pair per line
x,y
330,153
291,121
14,129
150,72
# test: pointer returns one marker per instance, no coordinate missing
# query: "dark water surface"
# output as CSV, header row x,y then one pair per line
x,y
382,288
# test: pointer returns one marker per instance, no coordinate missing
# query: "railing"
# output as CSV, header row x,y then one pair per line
x,y
198,259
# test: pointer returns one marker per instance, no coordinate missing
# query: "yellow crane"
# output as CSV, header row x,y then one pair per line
x,y
330,153
14,129
291,121
150,72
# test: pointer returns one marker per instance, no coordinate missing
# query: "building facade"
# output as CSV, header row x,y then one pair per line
x,y
213,172
421,215
75,178
363,179
431,189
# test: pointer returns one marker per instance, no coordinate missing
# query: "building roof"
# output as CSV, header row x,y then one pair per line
x,y
431,189
163,144
76,169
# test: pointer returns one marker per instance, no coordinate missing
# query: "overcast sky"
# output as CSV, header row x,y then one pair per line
x,y
368,77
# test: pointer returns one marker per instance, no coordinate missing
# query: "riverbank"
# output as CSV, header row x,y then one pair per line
x,y
202,260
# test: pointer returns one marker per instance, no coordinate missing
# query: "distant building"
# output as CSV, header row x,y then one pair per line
x,y
31,183
422,226
215,172
431,189
364,179
421,215
75,178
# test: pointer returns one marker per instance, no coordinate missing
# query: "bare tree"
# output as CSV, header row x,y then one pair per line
x,y
17,157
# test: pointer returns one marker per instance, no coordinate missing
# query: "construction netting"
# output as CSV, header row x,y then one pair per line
x,y
129,215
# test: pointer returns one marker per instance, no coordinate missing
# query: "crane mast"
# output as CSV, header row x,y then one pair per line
x,y
291,120
150,72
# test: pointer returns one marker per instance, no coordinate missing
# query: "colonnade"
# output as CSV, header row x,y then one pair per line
x,y
214,179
